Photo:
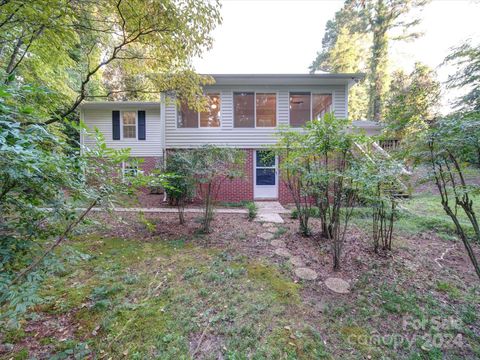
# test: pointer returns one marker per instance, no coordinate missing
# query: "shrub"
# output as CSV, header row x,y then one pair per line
x,y
252,210
181,187
211,166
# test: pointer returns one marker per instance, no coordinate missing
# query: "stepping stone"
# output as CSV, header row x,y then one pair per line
x,y
296,260
306,273
278,243
269,218
266,236
283,252
338,285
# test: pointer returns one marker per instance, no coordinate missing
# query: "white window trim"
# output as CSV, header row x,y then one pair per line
x,y
178,110
136,125
332,93
255,109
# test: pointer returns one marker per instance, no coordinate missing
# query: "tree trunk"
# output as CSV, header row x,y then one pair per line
x,y
378,62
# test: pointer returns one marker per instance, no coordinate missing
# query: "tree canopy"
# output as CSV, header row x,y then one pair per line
x,y
357,39
412,101
84,50
466,58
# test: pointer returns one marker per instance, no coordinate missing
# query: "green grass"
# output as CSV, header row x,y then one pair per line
x,y
152,300
418,214
234,204
144,299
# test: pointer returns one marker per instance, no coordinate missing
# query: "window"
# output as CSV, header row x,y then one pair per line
x,y
299,108
305,106
129,124
244,109
321,104
189,118
266,110
254,110
265,168
211,117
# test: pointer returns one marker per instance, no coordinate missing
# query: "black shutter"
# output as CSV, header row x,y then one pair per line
x,y
116,125
141,125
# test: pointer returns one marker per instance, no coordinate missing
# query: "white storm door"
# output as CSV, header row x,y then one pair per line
x,y
265,175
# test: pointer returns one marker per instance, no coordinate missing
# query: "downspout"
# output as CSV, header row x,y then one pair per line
x,y
163,136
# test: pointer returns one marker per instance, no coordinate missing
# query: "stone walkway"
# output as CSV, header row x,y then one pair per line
x,y
280,249
269,211
336,285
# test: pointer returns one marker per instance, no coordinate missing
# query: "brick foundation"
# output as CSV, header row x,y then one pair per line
x,y
235,190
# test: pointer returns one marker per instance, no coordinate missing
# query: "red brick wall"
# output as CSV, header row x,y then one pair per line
x,y
239,189
144,197
149,163
231,190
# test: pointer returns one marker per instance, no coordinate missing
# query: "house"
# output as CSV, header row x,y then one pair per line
x,y
244,112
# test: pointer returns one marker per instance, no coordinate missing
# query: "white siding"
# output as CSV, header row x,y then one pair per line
x,y
227,135
102,119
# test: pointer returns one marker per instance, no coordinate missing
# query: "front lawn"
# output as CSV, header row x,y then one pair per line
x,y
130,290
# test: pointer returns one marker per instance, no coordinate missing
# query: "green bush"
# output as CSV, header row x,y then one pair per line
x,y
252,210
313,212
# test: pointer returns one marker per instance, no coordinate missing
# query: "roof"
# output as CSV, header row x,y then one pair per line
x,y
367,124
287,79
119,104
245,79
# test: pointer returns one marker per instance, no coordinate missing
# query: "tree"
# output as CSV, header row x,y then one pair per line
x,y
381,17
466,58
211,166
296,167
317,167
181,181
67,46
335,189
443,149
412,102
43,181
378,177
345,50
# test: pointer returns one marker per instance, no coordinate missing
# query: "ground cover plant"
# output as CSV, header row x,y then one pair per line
x,y
129,292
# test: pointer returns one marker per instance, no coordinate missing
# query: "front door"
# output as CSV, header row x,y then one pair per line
x,y
265,175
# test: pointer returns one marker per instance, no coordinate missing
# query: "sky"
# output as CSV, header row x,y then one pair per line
x,y
284,37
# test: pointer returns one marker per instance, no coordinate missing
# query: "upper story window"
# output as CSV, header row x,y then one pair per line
x,y
305,106
266,110
211,117
254,110
188,118
321,104
129,119
244,109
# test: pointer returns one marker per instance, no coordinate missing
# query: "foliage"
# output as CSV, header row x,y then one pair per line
x,y
444,150
466,58
295,165
317,167
42,182
210,166
345,50
182,182
381,17
412,101
379,184
252,210
81,50
357,40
